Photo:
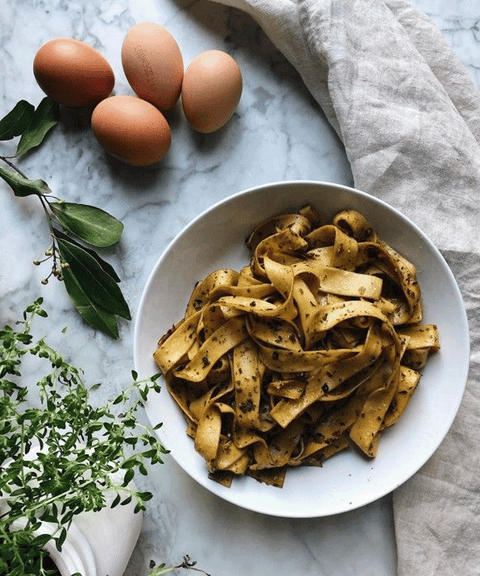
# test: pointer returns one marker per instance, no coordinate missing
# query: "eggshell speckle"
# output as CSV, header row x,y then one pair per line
x,y
211,90
73,73
132,130
153,64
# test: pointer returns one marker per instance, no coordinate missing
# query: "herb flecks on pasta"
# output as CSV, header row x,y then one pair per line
x,y
312,348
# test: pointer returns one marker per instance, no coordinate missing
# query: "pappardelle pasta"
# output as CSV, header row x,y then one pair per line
x,y
313,347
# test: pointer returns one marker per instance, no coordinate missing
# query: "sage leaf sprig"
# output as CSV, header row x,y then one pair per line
x,y
17,120
31,123
44,119
86,456
90,282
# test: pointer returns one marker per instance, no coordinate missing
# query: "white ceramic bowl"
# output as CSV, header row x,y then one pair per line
x,y
216,239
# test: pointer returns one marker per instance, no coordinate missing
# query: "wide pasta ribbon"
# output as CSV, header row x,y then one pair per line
x,y
313,347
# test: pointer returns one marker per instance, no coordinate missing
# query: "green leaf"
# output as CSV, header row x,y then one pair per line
x,y
92,225
95,282
108,268
93,314
45,117
145,496
41,539
116,501
17,120
139,507
119,399
22,186
61,539
129,474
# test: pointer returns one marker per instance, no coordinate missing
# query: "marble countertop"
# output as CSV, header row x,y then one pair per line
x,y
277,133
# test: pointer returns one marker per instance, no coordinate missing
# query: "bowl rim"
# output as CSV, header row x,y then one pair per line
x,y
462,320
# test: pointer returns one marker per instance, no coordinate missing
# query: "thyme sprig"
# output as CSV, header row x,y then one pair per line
x,y
187,564
90,281
85,456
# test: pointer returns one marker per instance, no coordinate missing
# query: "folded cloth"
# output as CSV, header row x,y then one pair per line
x,y
409,117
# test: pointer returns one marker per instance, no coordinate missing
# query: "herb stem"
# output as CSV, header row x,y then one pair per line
x,y
55,254
12,165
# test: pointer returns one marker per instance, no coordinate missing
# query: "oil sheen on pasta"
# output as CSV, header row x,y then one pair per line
x,y
312,348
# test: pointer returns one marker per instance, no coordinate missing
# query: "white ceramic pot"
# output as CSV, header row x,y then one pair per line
x,y
97,543
76,554
110,535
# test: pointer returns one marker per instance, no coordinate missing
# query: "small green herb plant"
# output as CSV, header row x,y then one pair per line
x,y
75,229
85,453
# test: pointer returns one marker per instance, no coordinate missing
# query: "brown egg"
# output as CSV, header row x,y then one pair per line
x,y
153,64
72,72
132,130
211,90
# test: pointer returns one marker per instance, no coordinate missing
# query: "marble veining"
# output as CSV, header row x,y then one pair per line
x,y
277,133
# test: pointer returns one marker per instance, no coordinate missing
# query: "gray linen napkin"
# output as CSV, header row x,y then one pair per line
x,y
409,118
